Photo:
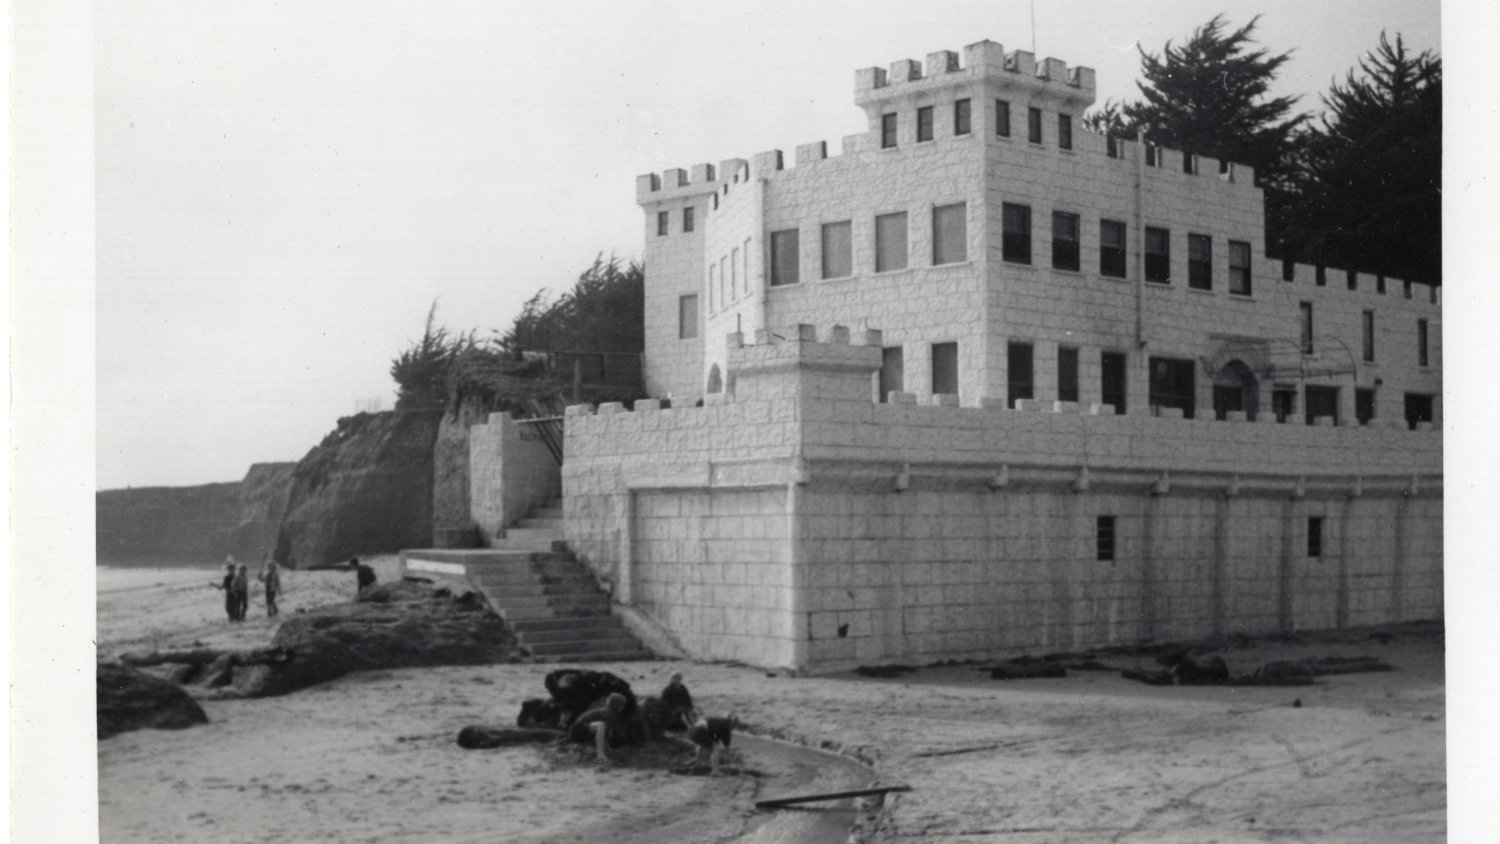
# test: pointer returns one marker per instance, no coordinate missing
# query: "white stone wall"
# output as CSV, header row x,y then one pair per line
x,y
510,472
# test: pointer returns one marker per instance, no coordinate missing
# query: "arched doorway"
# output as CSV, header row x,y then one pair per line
x,y
1235,388
715,381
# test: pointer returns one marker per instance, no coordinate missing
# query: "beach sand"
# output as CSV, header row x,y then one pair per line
x,y
1092,757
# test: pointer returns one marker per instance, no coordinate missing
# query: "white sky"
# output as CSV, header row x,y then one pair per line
x,y
283,189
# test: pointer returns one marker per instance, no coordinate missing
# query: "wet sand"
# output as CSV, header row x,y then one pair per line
x,y
1089,758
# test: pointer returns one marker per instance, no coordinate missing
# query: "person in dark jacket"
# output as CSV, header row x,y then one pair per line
x,y
242,589
365,576
231,600
270,575
679,703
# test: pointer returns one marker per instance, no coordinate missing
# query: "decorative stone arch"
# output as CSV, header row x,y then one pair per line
x,y
715,380
1236,389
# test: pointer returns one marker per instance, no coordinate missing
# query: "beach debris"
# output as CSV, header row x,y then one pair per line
x,y
576,690
485,738
885,672
1193,669
782,802
130,699
1027,670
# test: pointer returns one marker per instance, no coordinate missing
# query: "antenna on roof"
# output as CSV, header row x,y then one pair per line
x,y
1033,27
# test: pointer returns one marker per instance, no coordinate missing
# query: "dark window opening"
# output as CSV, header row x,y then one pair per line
x,y
1421,342
1016,240
1321,401
1288,270
950,234
1158,256
1200,262
1364,405
887,131
1064,131
890,242
1227,399
892,372
1380,284
687,317
1112,147
1320,275
1367,334
1173,385
1406,290
1432,294
1104,538
838,250
1153,156
1002,118
1112,248
663,221
1065,233
1418,409
1190,164
1018,373
1353,279
1112,380
1067,373
1284,403
1239,268
924,123
687,220
1315,536
1034,125
945,368
1305,315
961,117
784,258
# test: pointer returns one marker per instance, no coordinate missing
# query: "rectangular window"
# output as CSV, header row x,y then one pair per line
x,y
950,234
1353,279
1315,536
1104,538
1200,262
1112,248
1284,403
838,249
1367,334
1432,294
784,263
887,130
892,372
1173,385
1406,290
1064,131
663,220
1034,125
1320,401
687,317
1421,342
924,123
1239,268
1380,284
1158,256
1288,269
687,220
1190,164
1016,239
1304,311
1112,147
1153,156
1067,373
1364,405
961,117
1112,380
1320,275
945,368
1228,399
1018,373
1065,241
734,274
1002,118
1418,409
890,242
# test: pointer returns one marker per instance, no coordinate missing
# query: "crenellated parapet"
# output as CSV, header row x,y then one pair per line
x,y
676,183
985,61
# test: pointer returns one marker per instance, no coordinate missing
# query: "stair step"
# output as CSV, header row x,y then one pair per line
x,y
558,602
525,615
541,625
528,543
575,634
579,649
548,533
534,522
548,512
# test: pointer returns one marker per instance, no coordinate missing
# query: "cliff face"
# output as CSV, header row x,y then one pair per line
x,y
366,489
192,525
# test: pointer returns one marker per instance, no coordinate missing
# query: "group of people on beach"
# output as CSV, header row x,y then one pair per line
x,y
236,587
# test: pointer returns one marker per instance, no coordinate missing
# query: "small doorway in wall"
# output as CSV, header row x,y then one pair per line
x,y
892,372
715,380
1235,389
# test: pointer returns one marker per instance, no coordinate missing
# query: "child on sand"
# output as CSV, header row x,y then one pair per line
x,y
365,576
602,724
679,703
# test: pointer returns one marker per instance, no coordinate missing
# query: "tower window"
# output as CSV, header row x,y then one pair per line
x,y
887,130
1239,268
961,117
890,242
1016,239
1065,241
1421,342
663,221
950,234
687,220
1315,536
1064,131
1067,373
1367,334
1034,125
924,123
838,250
687,317
945,368
1002,118
784,258
1112,248
1304,312
1018,373
1158,256
1104,538
1200,262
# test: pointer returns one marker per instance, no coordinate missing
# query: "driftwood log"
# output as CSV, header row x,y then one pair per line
x,y
209,656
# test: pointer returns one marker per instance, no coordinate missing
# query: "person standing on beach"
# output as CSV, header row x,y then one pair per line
x,y
364,574
231,600
242,590
270,575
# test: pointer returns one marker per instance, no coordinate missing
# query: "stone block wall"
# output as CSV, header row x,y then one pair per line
x,y
510,472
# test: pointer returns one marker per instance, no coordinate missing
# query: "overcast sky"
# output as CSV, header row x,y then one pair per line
x,y
284,189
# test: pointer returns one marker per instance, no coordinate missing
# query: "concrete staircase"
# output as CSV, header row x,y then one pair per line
x,y
546,596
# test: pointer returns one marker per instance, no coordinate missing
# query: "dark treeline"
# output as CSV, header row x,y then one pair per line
x,y
1358,187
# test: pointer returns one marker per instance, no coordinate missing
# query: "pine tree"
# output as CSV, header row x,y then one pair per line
x,y
1371,195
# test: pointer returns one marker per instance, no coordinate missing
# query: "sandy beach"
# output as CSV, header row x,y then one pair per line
x,y
1092,757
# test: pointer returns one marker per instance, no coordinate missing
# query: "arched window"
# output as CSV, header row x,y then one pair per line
x,y
715,381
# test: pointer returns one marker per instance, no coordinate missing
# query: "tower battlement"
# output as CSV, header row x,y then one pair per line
x,y
985,60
